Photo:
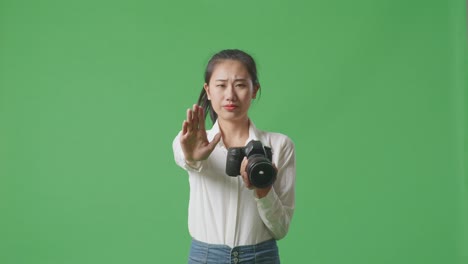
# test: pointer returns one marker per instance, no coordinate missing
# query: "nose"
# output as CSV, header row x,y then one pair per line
x,y
230,93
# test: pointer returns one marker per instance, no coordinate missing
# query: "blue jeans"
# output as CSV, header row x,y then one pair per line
x,y
263,253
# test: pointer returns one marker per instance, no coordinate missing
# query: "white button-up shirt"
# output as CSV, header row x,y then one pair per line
x,y
223,211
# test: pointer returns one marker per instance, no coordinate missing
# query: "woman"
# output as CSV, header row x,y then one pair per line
x,y
231,220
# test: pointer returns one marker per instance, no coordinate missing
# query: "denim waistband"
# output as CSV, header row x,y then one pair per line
x,y
264,252
267,243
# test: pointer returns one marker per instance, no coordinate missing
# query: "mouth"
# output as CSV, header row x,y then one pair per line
x,y
230,107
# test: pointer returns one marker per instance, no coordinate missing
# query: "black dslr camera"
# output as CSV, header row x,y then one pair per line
x,y
259,168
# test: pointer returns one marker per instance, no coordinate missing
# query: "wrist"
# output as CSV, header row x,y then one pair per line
x,y
260,193
191,162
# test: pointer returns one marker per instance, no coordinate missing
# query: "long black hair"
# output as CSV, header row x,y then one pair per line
x,y
228,54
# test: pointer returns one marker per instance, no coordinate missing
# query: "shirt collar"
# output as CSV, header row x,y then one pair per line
x,y
253,132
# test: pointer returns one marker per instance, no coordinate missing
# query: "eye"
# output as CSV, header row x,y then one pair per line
x,y
240,85
220,85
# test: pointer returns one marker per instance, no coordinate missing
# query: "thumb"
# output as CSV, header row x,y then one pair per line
x,y
215,141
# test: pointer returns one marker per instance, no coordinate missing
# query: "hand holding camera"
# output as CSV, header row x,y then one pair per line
x,y
253,162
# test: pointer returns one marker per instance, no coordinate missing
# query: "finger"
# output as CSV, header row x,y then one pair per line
x,y
201,118
189,120
189,115
247,183
195,117
184,127
244,174
243,164
244,178
215,141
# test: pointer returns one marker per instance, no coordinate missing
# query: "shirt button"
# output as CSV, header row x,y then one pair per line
x,y
235,254
236,260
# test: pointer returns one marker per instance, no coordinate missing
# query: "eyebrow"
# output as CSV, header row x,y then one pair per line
x,y
236,80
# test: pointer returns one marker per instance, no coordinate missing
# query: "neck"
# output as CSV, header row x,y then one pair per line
x,y
234,133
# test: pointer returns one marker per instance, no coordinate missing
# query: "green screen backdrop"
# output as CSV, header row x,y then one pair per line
x,y
372,92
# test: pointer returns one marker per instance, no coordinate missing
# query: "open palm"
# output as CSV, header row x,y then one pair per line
x,y
194,140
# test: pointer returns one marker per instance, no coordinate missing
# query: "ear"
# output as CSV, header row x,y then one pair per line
x,y
256,88
207,90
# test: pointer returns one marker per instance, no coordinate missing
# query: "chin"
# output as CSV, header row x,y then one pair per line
x,y
231,117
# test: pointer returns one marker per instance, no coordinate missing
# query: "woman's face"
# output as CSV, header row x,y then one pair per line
x,y
230,90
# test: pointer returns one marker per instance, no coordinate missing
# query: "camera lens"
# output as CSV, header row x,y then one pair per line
x,y
261,172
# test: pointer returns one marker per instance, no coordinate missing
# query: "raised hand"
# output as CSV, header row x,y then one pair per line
x,y
193,140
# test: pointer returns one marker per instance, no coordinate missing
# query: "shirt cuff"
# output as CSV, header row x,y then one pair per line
x,y
193,166
268,200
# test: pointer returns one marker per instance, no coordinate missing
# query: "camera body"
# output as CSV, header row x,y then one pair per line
x,y
259,168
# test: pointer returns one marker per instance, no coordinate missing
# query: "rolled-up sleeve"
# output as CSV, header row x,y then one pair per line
x,y
180,158
277,207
